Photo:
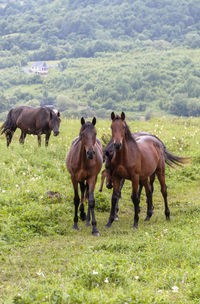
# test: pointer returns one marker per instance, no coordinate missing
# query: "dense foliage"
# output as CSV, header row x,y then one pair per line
x,y
107,34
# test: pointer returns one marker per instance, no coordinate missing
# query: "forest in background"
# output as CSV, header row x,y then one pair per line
x,y
138,56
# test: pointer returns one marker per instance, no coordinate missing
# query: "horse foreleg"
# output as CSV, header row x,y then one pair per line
x,y
76,204
47,139
135,200
114,200
82,212
161,178
39,140
91,204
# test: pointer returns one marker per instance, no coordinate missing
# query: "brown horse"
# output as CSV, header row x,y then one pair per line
x,y
31,120
84,162
108,151
137,160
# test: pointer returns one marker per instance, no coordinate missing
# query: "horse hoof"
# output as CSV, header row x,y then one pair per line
x,y
100,190
108,225
75,227
96,233
147,219
168,218
116,219
135,226
87,224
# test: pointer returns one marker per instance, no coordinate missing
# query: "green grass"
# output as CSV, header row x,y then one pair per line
x,y
43,260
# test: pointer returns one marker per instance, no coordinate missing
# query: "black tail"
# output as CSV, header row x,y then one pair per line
x,y
9,124
172,160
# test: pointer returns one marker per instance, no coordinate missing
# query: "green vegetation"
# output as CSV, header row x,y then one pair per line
x,y
43,260
141,56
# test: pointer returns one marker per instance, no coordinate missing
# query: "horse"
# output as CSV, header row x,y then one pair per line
x,y
138,160
84,161
37,121
108,151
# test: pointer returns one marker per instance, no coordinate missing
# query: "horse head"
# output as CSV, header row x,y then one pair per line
x,y
88,137
118,127
54,122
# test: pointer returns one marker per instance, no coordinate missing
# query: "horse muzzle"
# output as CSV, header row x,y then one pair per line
x,y
90,154
117,146
55,133
109,185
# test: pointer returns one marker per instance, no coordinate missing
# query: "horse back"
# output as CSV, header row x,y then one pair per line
x,y
33,120
152,155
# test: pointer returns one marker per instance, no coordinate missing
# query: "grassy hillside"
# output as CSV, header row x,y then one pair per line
x,y
150,80
43,260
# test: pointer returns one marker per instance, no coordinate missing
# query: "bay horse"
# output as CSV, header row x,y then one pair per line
x,y
84,161
36,121
137,160
108,151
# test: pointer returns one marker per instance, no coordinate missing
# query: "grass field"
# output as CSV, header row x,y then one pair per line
x,y
43,260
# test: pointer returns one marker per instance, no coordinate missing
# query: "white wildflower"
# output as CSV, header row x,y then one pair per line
x,y
106,280
94,272
175,289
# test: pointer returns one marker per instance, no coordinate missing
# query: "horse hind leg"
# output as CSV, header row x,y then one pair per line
x,y
163,186
22,137
9,135
148,191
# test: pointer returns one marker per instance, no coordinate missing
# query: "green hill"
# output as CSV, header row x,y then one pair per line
x,y
141,56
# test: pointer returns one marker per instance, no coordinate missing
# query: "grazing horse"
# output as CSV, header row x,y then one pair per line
x,y
108,151
84,161
137,160
37,121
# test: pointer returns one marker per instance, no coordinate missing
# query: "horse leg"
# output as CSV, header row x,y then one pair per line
x,y
76,204
39,140
152,179
91,204
149,199
87,198
139,192
22,137
47,139
117,203
135,200
161,178
103,176
115,198
82,212
9,135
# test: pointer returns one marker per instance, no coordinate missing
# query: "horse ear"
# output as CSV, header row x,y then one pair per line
x,y
94,121
122,115
51,115
82,121
112,115
58,114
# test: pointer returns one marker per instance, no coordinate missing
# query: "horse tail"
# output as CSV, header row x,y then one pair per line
x,y
172,160
9,124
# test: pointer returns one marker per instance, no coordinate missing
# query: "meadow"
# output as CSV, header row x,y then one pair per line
x,y
43,260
